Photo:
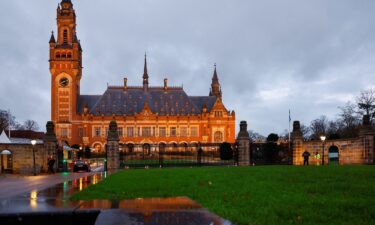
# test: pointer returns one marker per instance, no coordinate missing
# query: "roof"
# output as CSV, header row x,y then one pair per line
x,y
119,102
4,138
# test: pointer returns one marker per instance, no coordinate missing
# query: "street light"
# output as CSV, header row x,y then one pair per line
x,y
33,142
323,138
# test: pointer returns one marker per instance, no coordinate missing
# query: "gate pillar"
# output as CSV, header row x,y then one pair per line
x,y
243,140
50,144
367,134
112,148
297,143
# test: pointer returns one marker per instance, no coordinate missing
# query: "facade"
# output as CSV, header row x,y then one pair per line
x,y
144,114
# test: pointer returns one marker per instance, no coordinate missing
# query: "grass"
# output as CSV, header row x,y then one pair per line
x,y
279,195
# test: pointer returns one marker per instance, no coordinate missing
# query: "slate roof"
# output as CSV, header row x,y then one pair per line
x,y
116,101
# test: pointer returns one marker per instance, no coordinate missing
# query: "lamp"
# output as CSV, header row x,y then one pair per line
x,y
323,138
33,143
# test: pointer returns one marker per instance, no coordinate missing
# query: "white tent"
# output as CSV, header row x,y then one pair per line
x,y
4,138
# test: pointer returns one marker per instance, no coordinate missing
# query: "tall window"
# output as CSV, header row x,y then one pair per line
x,y
218,137
183,131
106,131
80,132
65,36
162,132
146,131
64,132
120,131
97,131
130,131
173,132
194,131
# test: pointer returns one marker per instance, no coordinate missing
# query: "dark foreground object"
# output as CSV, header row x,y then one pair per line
x,y
153,211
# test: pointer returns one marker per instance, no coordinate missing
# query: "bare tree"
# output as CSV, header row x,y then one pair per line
x,y
318,127
7,120
256,136
31,125
306,131
366,102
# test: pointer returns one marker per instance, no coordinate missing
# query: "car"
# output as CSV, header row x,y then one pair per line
x,y
81,165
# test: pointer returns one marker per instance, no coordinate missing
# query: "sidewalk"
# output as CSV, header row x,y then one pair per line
x,y
13,185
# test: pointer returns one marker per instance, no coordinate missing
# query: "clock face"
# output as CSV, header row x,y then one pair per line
x,y
64,82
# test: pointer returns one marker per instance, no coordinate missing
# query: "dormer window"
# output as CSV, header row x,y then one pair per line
x,y
218,114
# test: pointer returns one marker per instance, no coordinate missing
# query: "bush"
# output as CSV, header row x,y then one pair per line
x,y
226,151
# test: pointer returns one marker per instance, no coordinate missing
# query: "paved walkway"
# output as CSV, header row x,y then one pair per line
x,y
13,185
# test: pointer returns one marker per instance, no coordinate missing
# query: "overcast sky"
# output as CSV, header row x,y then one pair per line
x,y
308,56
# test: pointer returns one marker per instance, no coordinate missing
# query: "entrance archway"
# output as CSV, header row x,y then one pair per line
x,y
6,161
333,155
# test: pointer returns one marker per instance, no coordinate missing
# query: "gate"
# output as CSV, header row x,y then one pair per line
x,y
174,155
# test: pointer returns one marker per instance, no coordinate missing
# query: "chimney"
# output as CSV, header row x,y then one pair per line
x,y
165,85
125,84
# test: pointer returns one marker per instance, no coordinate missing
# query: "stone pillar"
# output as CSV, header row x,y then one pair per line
x,y
243,140
297,144
113,157
367,135
50,145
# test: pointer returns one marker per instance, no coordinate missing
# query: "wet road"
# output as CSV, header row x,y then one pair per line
x,y
44,193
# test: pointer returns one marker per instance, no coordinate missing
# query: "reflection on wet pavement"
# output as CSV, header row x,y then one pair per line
x,y
55,198
143,211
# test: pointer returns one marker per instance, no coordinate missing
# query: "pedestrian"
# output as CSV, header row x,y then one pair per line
x,y
51,163
306,156
317,158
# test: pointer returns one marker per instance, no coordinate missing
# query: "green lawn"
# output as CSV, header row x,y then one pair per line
x,y
256,195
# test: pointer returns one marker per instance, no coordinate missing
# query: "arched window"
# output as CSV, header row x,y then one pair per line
x,y
58,55
69,55
218,137
65,36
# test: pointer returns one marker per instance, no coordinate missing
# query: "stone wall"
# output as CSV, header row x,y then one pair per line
x,y
22,157
350,151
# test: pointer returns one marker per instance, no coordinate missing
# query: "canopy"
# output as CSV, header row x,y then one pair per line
x,y
5,152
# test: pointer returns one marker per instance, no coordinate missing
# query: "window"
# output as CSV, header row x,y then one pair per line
x,y
218,137
120,131
183,131
194,131
130,131
65,36
173,132
97,131
64,132
106,131
80,132
218,114
162,132
146,131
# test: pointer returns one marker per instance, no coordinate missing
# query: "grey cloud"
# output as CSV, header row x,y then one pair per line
x,y
271,55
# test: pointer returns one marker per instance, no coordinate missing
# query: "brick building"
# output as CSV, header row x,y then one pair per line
x,y
144,114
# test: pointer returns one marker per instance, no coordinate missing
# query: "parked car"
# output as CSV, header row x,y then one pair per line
x,y
81,165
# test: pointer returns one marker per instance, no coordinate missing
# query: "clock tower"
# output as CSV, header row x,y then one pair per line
x,y
66,70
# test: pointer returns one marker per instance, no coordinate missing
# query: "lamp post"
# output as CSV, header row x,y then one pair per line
x,y
33,143
323,138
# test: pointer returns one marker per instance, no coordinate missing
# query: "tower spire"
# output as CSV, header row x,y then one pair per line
x,y
52,39
145,75
215,85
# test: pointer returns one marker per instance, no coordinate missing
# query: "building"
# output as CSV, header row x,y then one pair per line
x,y
144,114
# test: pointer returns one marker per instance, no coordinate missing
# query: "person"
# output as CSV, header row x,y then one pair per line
x,y
51,162
317,158
306,156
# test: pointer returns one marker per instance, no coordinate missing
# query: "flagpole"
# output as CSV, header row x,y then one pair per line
x,y
9,123
289,131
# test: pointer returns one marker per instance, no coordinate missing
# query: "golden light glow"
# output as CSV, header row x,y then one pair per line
x,y
34,199
80,184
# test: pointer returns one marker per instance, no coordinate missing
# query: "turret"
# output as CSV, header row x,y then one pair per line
x,y
215,85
